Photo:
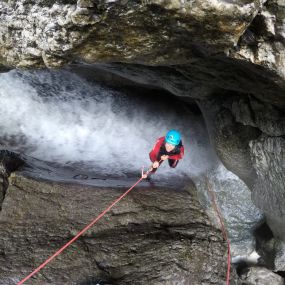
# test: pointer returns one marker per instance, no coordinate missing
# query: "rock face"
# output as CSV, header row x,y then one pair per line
x,y
263,41
233,45
252,112
155,32
254,151
230,139
154,236
268,155
261,276
227,55
240,215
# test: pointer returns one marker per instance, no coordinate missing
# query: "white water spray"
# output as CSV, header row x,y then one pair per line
x,y
57,116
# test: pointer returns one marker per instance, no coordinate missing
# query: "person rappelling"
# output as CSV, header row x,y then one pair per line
x,y
169,147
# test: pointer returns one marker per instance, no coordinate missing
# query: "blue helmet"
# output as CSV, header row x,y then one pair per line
x,y
173,137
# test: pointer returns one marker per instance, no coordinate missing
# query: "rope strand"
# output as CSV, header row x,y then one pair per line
x,y
225,235
78,235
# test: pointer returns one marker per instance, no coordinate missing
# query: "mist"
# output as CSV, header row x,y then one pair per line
x,y
57,116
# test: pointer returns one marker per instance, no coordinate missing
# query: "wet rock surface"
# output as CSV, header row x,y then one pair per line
x,y
230,139
268,157
252,112
239,128
268,194
261,276
263,41
241,216
155,235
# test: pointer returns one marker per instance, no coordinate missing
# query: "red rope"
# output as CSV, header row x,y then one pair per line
x,y
78,235
225,235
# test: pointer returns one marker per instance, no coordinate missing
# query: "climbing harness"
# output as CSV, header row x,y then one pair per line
x,y
214,199
81,232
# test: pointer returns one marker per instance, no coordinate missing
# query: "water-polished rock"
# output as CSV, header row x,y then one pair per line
x,y
268,158
260,276
156,235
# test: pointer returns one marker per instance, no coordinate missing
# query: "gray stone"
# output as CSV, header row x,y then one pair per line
x,y
230,139
279,248
261,276
85,3
268,157
126,30
239,214
154,236
230,53
266,117
198,46
267,33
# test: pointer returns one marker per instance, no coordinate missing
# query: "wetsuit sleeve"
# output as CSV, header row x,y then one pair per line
x,y
153,155
178,156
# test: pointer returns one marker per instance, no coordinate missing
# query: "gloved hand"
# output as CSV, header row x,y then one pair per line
x,y
144,176
155,164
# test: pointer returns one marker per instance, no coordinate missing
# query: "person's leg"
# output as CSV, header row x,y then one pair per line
x,y
173,162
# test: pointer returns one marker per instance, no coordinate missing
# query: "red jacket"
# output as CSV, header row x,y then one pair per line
x,y
159,150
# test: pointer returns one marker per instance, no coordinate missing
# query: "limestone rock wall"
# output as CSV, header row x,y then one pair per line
x,y
233,45
249,139
263,41
38,33
155,236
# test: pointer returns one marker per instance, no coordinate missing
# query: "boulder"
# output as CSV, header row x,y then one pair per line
x,y
260,276
153,236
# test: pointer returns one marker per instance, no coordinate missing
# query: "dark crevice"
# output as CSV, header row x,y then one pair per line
x,y
264,245
101,278
264,238
254,30
281,273
252,113
257,26
9,162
